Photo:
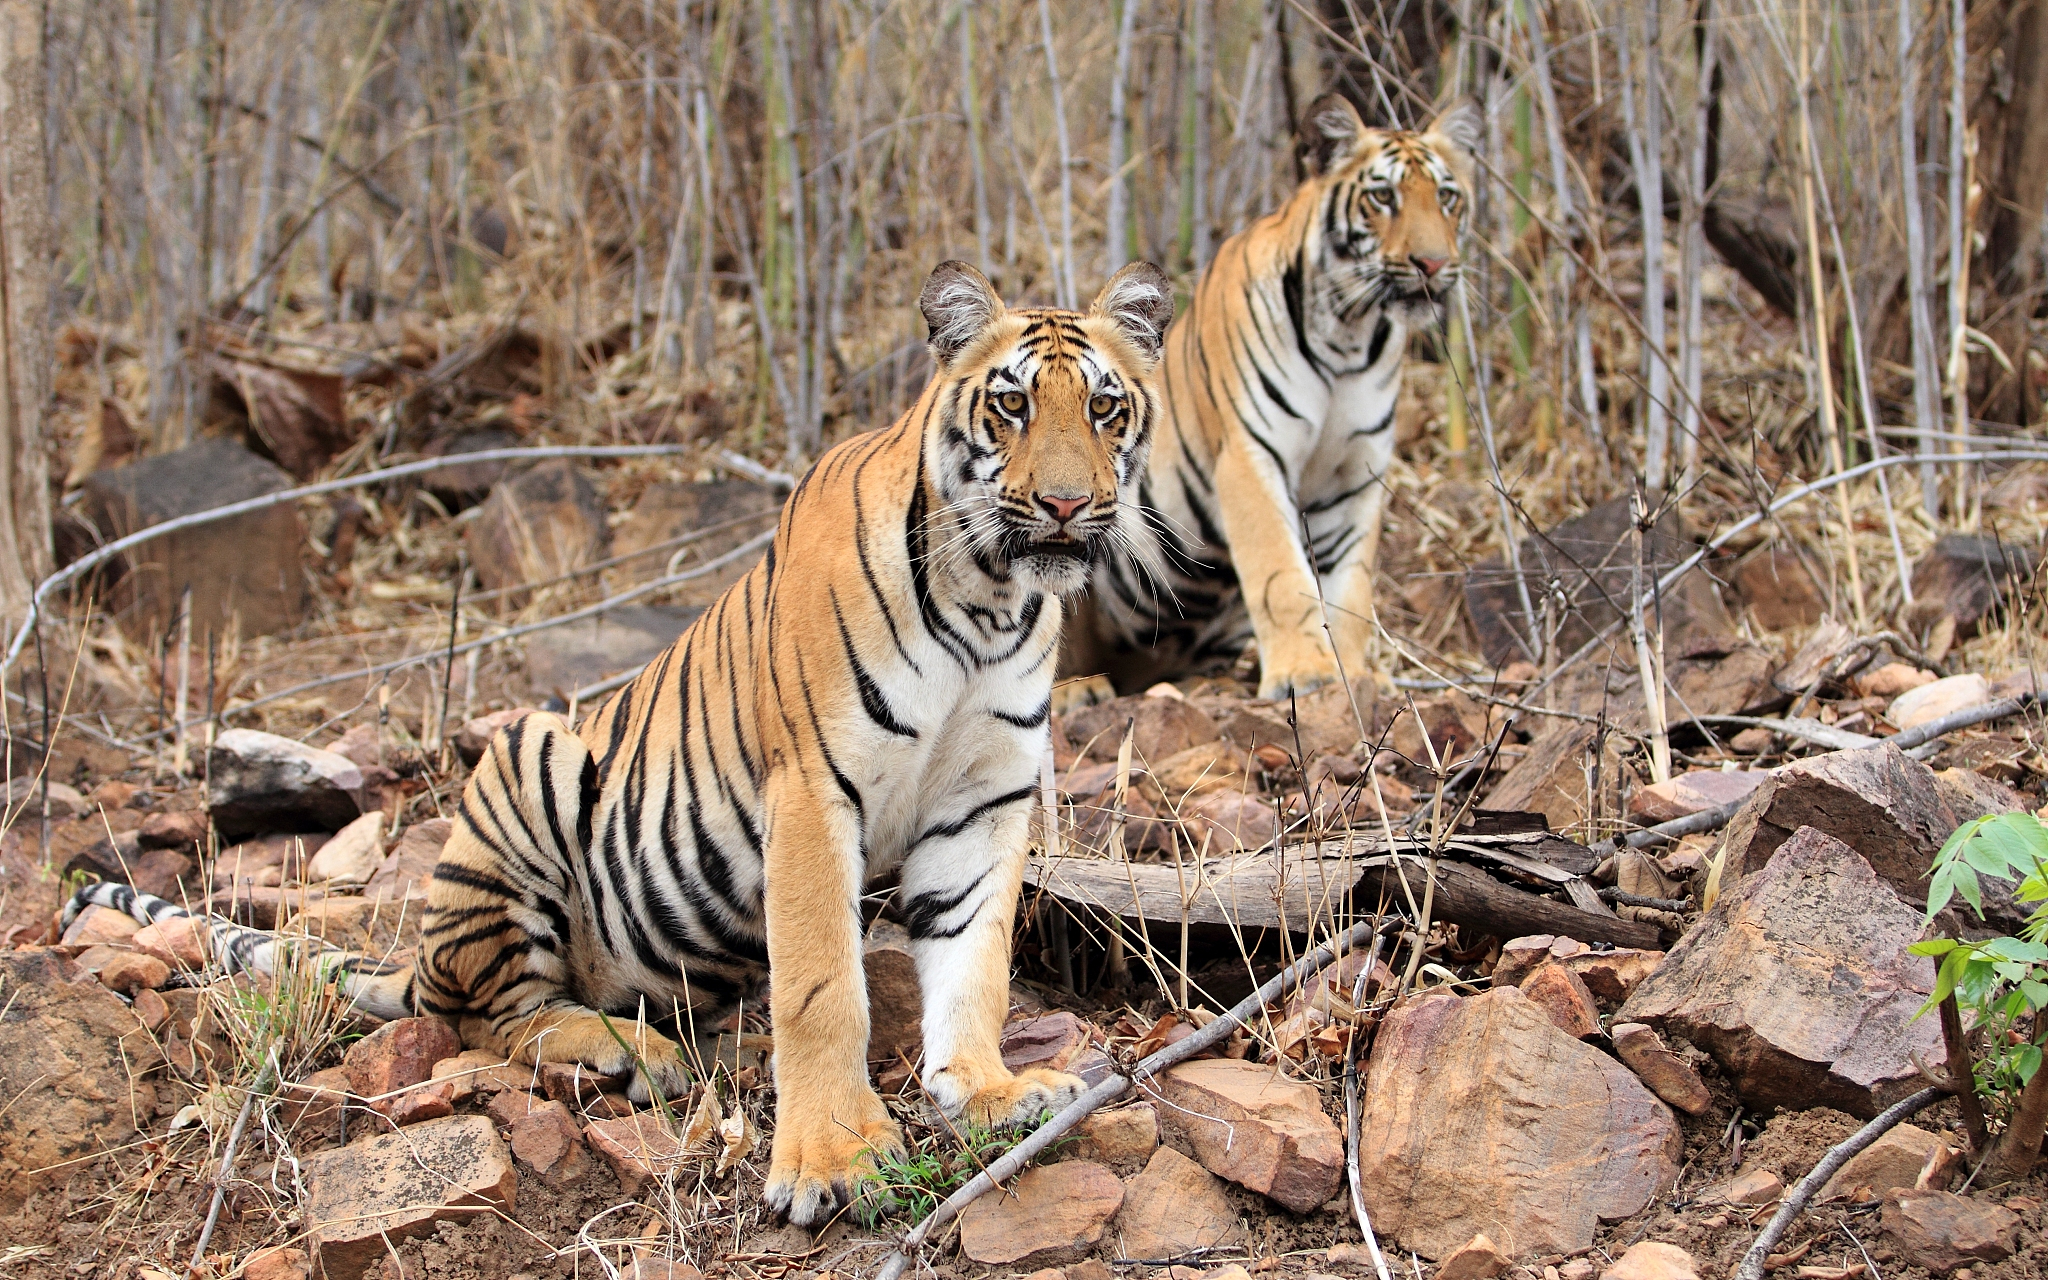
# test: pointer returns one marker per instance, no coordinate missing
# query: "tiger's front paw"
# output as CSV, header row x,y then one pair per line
x,y
1022,1098
823,1153
1296,669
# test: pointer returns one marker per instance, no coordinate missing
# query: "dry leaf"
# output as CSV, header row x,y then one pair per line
x,y
739,1138
1778,1261
701,1136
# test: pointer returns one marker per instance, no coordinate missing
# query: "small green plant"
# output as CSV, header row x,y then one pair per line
x,y
910,1186
2002,982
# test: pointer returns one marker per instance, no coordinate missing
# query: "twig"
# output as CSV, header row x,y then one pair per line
x,y
1705,820
1752,1267
1278,988
1351,1116
264,1081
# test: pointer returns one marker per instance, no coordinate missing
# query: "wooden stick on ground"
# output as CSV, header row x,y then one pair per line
x,y
1752,1267
1278,988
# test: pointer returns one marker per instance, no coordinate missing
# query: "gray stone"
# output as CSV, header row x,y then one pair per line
x,y
258,782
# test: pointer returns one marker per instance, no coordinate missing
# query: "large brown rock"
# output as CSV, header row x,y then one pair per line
x,y
1895,1161
394,1187
1779,590
1942,1232
1479,1111
536,527
1798,983
245,573
74,1064
397,1055
895,998
409,867
259,782
1256,1127
722,514
1669,1076
1052,1214
1174,1207
1165,727
1555,777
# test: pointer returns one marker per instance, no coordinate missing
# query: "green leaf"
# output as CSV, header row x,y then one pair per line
x,y
2026,1062
1955,841
1941,888
1966,882
1933,947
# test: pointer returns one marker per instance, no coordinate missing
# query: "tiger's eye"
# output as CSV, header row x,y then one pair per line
x,y
1102,406
1012,401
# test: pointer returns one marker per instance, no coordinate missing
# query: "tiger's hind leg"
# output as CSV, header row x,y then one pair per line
x,y
497,942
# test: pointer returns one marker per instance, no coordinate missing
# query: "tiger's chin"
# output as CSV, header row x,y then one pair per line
x,y
1419,309
1060,568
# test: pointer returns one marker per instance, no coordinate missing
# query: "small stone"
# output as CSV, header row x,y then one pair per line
x,y
1115,1137
1575,1269
1563,996
368,1195
1091,1268
150,1007
1932,701
1053,1214
1669,1076
316,1101
1347,1254
422,1102
175,829
1893,1162
360,744
259,782
1890,680
397,1055
1257,1128
1476,1259
638,1147
278,1264
113,794
1756,1187
648,1267
1750,742
182,942
475,1071
97,925
1051,1041
1690,793
895,1000
574,1085
1653,1260
410,867
1942,1232
474,737
124,971
537,526
548,1141
353,855
1175,1206
1612,976
513,1105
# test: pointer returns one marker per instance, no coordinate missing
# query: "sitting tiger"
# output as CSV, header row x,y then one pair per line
x,y
871,700
1280,383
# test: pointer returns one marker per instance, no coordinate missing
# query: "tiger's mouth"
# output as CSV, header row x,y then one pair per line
x,y
1065,550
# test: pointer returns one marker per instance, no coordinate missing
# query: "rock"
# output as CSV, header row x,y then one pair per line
x,y
1942,1232
1174,1207
316,1101
1779,590
537,527
1877,800
1610,975
1751,742
1563,997
1890,680
475,1071
1478,1110
260,782
895,1000
1229,821
71,1054
266,861
410,866
1691,793
264,908
474,737
510,1106
1257,1128
353,855
1930,702
425,1102
1057,1041
1653,1260
722,513
182,942
1756,1187
363,745
1053,1214
124,971
369,1195
1165,727
1966,578
380,927
25,794
177,829
150,1007
548,1141
1894,1162
397,1055
639,1148
1476,1259
245,573
574,1085
278,1264
468,483
1799,984
566,658
96,926
1125,1135
1553,776
1669,1076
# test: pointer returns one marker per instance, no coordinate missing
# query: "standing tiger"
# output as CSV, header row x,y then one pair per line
x,y
872,699
1280,383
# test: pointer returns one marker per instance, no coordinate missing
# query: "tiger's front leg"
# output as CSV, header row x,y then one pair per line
x,y
830,1125
960,897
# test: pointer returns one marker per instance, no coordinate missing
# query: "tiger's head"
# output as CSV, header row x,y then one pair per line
x,y
1390,205
1042,420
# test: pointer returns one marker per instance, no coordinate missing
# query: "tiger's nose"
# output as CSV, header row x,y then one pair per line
x,y
1062,508
1428,266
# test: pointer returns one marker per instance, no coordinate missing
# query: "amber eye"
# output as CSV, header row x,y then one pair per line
x,y
1102,406
1012,401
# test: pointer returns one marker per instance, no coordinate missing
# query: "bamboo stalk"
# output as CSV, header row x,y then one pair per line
x,y
1116,233
1067,295
1926,377
970,107
1646,154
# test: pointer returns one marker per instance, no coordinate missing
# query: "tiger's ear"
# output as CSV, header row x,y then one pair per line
x,y
1138,300
1329,131
958,304
1459,124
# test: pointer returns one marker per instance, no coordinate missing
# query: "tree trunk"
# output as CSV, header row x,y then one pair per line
x,y
2012,128
26,249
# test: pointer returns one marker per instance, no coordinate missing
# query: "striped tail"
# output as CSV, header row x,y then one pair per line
x,y
377,987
